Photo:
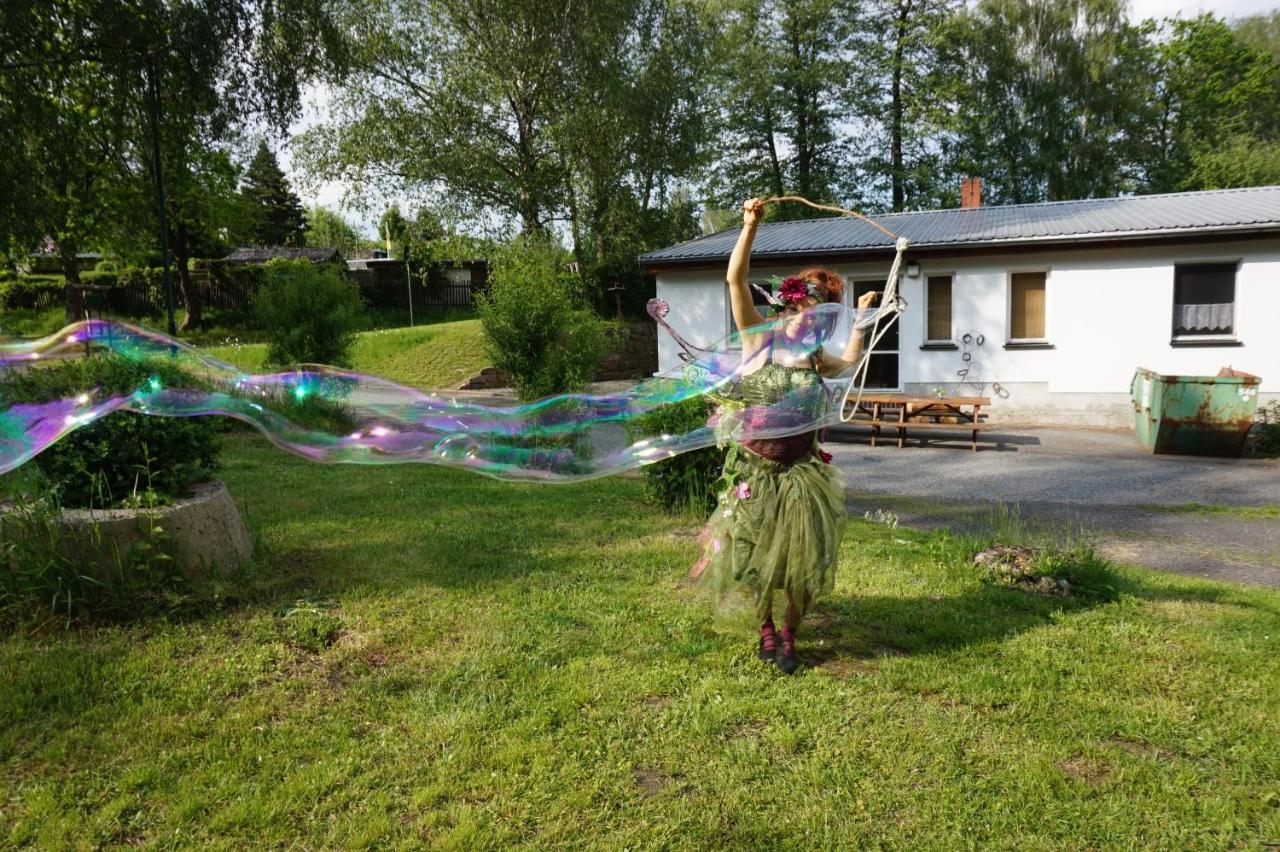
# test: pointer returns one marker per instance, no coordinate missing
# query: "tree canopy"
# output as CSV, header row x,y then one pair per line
x,y
618,125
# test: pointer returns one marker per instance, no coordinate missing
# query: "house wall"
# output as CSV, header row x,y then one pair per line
x,y
1107,313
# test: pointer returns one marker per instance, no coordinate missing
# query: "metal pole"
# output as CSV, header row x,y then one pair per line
x,y
408,282
160,203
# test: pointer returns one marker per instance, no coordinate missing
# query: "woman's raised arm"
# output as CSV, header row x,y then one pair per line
x,y
745,314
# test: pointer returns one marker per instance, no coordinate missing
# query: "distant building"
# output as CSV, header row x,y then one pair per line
x,y
366,254
44,263
1050,307
262,254
470,273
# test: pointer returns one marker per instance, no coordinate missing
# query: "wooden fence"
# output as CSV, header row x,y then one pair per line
x,y
393,291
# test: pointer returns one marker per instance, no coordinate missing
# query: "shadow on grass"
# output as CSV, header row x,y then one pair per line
x,y
865,627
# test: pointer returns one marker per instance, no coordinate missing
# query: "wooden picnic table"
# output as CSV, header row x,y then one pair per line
x,y
894,411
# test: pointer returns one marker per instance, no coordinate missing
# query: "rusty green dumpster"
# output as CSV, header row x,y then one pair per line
x,y
1194,415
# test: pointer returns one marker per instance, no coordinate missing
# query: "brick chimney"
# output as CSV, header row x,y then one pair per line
x,y
970,193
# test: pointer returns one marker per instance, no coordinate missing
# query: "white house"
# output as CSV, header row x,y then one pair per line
x,y
1055,305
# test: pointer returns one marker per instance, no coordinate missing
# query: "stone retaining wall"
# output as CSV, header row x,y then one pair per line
x,y
633,353
203,533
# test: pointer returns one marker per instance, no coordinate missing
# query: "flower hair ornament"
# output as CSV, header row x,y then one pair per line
x,y
792,289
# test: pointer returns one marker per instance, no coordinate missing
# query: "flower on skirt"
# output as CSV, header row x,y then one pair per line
x,y
743,491
824,455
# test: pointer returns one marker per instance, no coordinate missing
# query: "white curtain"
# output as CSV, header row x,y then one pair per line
x,y
1204,318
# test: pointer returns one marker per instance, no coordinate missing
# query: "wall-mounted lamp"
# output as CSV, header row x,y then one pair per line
x,y
913,269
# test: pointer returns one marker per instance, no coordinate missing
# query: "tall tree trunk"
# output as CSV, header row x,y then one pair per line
x,y
800,102
190,297
575,217
897,166
530,208
775,167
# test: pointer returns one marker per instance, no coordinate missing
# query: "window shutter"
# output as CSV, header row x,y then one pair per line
x,y
939,322
1027,314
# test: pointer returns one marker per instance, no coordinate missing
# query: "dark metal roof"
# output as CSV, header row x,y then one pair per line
x,y
261,254
1226,211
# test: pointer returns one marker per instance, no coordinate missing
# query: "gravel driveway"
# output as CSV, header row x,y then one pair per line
x,y
1103,482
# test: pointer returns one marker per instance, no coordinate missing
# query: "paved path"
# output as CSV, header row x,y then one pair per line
x,y
1054,466
1100,482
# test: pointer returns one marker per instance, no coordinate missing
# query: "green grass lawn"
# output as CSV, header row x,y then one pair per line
x,y
433,354
428,356
1247,512
522,665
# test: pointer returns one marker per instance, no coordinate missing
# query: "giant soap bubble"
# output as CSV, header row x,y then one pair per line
x,y
331,415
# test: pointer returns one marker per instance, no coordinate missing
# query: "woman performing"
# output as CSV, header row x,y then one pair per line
x,y
774,538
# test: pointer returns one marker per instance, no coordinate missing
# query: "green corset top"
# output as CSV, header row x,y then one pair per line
x,y
801,386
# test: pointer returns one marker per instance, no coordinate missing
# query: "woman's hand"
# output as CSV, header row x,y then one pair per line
x,y
867,299
752,212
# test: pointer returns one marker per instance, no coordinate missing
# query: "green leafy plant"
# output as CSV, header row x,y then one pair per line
x,y
101,464
42,578
538,328
32,322
684,482
1267,442
30,291
310,313
310,625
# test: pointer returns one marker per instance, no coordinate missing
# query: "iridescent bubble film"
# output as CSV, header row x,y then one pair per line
x,y
331,415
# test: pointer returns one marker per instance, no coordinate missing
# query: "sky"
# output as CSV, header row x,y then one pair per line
x,y
331,194
1139,9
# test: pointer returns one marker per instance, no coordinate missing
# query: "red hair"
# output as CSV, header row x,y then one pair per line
x,y
830,285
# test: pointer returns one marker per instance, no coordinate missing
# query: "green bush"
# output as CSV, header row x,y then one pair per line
x,y
1268,436
100,278
124,455
538,328
32,322
28,291
243,277
684,482
310,313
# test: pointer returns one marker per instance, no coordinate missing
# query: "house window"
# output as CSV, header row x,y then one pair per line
x,y
1204,300
938,309
882,362
1026,306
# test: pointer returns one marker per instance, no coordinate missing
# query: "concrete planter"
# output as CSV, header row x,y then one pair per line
x,y
203,532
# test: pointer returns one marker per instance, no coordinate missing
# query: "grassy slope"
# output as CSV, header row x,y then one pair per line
x,y
430,356
520,664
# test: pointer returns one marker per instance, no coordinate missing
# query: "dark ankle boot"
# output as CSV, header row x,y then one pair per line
x,y
768,642
787,653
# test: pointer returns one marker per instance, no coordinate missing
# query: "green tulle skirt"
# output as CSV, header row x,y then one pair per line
x,y
774,537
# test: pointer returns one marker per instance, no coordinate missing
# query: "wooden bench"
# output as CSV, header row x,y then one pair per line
x,y
889,411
